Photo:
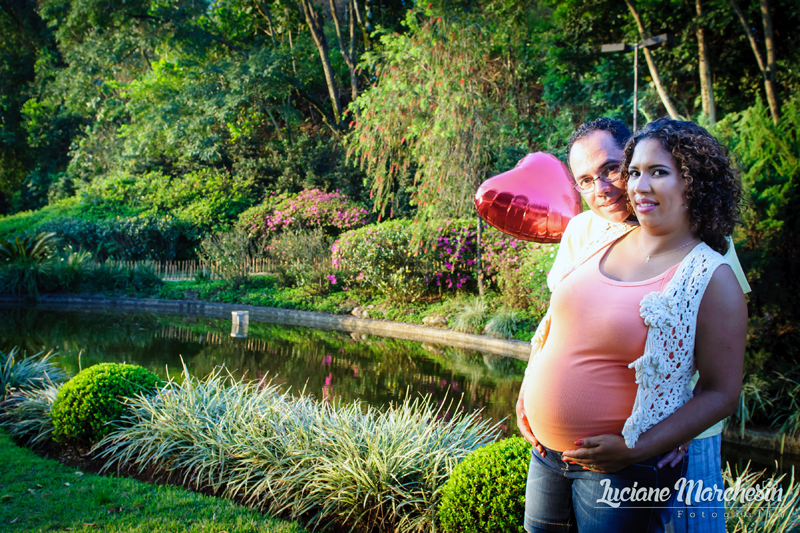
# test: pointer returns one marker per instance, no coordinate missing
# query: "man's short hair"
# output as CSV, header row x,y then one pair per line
x,y
618,130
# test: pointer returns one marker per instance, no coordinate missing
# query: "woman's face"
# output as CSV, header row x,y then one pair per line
x,y
656,189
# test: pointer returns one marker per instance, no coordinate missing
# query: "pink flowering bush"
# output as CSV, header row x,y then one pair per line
x,y
398,258
306,210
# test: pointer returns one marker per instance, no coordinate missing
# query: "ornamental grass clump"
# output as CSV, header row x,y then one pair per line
x,y
486,491
24,262
778,512
19,373
93,398
325,463
503,324
471,318
26,415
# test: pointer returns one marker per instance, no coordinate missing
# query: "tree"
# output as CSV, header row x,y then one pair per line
x,y
768,67
316,25
651,64
706,80
439,109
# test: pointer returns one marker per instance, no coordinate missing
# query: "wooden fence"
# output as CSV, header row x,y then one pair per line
x,y
183,270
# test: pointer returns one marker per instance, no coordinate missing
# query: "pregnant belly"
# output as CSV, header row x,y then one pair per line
x,y
578,397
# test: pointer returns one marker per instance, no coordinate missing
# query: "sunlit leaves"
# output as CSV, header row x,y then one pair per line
x,y
437,105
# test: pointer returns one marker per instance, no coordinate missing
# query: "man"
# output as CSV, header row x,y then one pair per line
x,y
594,154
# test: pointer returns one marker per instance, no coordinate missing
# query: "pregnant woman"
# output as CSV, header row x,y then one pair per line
x,y
606,392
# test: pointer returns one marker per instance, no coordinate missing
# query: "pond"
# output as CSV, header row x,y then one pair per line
x,y
329,365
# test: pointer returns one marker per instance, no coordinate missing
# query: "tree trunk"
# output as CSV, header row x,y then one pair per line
x,y
706,81
652,66
768,72
315,25
769,76
347,55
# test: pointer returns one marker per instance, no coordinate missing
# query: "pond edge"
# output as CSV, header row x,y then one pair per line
x,y
764,440
384,328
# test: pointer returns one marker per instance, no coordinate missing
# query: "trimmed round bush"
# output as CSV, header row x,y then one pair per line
x,y
486,491
94,397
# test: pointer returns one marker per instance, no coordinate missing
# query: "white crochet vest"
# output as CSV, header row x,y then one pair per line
x,y
664,370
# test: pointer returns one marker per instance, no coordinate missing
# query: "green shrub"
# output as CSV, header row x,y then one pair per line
x,y
109,277
147,236
27,221
67,271
230,253
89,401
486,491
332,212
404,260
303,258
520,271
208,199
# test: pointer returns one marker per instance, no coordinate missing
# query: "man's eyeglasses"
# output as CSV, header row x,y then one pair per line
x,y
586,185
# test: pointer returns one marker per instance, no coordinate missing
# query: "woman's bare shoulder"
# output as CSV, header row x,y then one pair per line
x,y
723,297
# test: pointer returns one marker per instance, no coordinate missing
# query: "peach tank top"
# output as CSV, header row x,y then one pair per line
x,y
580,385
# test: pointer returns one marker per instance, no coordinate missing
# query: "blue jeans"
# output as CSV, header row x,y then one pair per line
x,y
565,498
705,464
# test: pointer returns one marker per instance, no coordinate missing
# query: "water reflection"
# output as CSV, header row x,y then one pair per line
x,y
326,364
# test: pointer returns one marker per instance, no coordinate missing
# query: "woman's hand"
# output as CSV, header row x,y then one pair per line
x,y
604,453
609,454
524,426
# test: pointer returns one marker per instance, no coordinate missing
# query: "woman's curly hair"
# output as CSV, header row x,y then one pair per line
x,y
713,191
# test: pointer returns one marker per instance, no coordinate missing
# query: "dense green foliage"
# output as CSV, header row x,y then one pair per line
x,y
406,260
486,491
452,90
94,397
769,155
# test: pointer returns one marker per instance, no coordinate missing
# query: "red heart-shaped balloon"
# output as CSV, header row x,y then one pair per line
x,y
533,201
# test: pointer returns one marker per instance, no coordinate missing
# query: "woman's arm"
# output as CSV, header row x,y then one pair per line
x,y
719,355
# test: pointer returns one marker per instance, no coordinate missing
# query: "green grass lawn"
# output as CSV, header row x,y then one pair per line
x,y
43,495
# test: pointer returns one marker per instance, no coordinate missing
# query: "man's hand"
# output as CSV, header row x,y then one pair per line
x,y
674,456
525,427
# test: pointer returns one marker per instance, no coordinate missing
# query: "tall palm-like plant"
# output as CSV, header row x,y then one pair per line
x,y
24,261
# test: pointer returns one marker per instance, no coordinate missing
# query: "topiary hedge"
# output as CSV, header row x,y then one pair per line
x,y
486,491
87,402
